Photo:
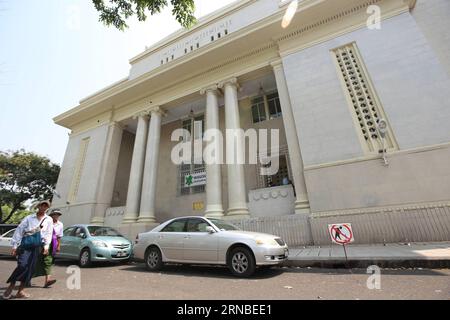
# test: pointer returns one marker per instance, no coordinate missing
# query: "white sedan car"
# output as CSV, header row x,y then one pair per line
x,y
5,242
198,240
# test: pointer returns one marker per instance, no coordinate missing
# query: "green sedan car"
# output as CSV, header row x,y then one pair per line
x,y
91,243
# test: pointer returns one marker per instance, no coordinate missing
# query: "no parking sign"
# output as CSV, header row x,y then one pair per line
x,y
341,233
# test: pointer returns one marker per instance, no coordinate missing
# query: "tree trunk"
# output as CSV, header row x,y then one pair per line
x,y
11,213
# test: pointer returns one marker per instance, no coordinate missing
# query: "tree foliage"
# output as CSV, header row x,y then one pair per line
x,y
116,12
17,217
25,176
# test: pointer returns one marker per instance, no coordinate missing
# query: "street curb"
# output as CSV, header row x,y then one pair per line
x,y
364,263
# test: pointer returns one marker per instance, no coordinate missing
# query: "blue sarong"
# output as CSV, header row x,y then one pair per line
x,y
26,262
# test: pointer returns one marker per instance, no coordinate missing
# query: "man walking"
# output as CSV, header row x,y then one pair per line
x,y
27,251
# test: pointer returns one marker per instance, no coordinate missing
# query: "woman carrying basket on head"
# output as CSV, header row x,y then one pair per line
x,y
33,233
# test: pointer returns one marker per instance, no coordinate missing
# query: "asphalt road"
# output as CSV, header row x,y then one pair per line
x,y
132,281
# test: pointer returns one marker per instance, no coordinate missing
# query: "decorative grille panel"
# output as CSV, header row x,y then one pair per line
x,y
78,170
367,109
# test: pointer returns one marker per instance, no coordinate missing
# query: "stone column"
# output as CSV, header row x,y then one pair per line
x,y
295,157
148,195
214,206
137,170
237,200
108,169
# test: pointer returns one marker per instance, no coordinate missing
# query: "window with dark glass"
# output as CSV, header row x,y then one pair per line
x,y
9,234
258,109
196,225
266,107
175,226
277,179
195,126
273,103
69,231
80,232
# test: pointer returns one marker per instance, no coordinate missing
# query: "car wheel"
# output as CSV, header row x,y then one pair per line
x,y
153,259
85,258
241,262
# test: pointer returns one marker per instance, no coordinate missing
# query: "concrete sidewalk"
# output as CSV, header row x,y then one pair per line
x,y
425,255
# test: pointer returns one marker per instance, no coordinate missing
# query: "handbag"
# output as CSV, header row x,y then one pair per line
x,y
31,241
34,240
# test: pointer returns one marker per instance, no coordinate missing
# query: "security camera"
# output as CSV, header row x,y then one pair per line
x,y
382,127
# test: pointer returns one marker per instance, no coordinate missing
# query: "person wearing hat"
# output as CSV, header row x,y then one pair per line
x,y
45,262
58,227
27,252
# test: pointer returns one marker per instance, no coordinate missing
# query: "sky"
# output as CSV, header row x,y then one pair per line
x,y
53,53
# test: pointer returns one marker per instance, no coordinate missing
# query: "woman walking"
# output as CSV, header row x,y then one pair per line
x,y
27,244
45,262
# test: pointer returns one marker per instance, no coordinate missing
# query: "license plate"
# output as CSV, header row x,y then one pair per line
x,y
121,254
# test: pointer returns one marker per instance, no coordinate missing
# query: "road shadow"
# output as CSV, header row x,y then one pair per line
x,y
203,271
7,257
16,287
177,269
107,264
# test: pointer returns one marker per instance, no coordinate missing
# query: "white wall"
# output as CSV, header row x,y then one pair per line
x,y
82,207
407,75
416,177
433,19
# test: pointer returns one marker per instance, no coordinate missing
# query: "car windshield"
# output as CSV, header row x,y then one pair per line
x,y
223,225
103,232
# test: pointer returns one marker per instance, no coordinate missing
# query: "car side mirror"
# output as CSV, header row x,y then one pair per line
x,y
210,229
83,236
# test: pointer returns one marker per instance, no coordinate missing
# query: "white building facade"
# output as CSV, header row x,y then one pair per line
x,y
323,82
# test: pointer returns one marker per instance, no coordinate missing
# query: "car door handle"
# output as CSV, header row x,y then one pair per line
x,y
187,237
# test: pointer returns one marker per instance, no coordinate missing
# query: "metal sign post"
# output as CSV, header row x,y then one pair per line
x,y
346,258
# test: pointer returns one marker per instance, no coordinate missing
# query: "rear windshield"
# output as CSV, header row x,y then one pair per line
x,y
223,225
103,232
9,234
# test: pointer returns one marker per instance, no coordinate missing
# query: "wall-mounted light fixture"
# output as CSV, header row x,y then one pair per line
x,y
382,129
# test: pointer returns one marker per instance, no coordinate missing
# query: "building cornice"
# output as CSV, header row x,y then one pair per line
x,y
119,90
392,154
157,110
287,46
220,14
126,83
328,19
203,22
